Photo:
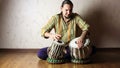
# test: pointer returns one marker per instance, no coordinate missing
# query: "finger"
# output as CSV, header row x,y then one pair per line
x,y
58,35
55,39
80,44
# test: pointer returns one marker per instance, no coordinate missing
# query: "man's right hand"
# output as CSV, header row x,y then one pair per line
x,y
53,36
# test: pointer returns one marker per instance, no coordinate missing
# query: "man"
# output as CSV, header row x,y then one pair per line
x,y
64,24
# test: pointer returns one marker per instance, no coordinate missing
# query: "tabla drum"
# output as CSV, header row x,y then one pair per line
x,y
80,55
56,52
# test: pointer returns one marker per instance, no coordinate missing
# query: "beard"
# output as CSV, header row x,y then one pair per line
x,y
67,17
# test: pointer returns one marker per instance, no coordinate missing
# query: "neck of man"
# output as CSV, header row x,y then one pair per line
x,y
66,19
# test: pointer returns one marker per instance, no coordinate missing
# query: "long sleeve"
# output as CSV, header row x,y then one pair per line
x,y
82,24
48,27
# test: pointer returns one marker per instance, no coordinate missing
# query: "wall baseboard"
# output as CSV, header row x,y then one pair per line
x,y
36,50
18,50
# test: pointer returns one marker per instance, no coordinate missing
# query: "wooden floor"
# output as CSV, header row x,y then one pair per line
x,y
102,59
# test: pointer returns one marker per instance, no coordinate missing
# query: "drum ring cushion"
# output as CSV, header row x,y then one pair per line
x,y
55,60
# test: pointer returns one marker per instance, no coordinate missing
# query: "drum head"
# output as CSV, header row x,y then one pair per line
x,y
73,43
59,42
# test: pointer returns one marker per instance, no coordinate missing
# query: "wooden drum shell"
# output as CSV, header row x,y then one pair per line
x,y
55,51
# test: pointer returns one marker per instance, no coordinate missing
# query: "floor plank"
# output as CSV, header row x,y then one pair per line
x,y
102,59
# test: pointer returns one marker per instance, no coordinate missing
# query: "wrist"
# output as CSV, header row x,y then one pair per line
x,y
83,34
48,34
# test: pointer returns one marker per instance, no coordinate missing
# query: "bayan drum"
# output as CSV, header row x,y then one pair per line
x,y
80,55
56,52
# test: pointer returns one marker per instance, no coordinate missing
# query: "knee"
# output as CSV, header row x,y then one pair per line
x,y
42,54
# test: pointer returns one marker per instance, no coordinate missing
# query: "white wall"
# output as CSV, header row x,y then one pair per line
x,y
21,21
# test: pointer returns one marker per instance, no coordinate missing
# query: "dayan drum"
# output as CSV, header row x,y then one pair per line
x,y
56,52
80,55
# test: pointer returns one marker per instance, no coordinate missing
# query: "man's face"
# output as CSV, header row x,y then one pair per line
x,y
66,10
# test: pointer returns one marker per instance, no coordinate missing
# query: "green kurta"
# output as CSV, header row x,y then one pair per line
x,y
66,30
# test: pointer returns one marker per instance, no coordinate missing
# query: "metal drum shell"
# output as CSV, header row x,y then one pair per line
x,y
80,53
